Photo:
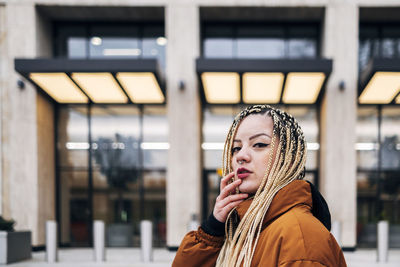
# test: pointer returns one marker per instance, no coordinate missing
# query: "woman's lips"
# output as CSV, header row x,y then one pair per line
x,y
242,173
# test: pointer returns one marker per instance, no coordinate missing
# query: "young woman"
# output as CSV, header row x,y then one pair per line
x,y
265,214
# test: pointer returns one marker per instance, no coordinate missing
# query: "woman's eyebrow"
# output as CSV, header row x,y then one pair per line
x,y
252,137
257,135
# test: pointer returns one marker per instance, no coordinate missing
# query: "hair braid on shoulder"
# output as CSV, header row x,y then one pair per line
x,y
283,167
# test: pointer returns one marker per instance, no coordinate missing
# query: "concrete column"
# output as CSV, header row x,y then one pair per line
x,y
338,118
184,117
27,127
3,53
19,148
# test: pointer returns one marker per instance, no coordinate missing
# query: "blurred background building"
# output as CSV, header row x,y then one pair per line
x,y
118,110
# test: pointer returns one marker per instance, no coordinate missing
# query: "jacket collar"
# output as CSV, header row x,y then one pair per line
x,y
296,193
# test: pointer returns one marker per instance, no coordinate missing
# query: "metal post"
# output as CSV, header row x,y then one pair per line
x,y
90,177
51,242
99,241
336,231
383,241
146,238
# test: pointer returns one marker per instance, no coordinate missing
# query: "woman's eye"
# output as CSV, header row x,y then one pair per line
x,y
261,145
235,149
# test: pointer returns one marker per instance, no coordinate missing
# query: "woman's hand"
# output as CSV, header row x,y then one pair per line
x,y
225,201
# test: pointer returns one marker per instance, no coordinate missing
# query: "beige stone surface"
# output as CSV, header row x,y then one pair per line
x,y
46,165
27,129
338,118
183,107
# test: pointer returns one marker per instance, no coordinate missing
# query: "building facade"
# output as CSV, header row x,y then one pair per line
x,y
126,161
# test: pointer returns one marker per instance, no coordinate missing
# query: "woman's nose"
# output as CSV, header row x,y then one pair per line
x,y
243,155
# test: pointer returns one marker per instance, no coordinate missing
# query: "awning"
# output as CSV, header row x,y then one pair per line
x,y
106,81
380,82
253,81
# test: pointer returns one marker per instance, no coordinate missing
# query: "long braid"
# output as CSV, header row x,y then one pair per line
x,y
287,165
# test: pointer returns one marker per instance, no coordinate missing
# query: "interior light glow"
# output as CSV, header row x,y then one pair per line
x,y
59,86
122,52
303,87
366,146
381,89
77,145
212,146
141,87
398,100
154,145
96,41
221,87
262,87
161,41
101,87
312,146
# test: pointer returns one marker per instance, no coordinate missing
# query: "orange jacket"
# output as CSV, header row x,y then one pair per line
x,y
291,236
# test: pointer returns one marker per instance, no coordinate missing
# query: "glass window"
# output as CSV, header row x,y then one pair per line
x,y
260,41
73,138
367,138
71,42
113,40
302,48
391,139
155,137
378,176
260,48
218,42
129,157
218,48
378,41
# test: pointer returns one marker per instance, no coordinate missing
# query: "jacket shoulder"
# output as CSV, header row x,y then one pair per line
x,y
302,237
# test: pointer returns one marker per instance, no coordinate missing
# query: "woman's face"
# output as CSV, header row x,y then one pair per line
x,y
251,151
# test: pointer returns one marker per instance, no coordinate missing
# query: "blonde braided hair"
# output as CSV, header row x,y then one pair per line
x,y
287,166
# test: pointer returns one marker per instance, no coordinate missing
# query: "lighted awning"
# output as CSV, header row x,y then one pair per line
x,y
252,81
380,82
106,81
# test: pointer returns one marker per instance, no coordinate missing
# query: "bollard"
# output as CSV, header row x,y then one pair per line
x,y
51,242
336,231
99,241
146,240
383,241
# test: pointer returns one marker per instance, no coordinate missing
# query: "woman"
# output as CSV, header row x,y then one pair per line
x,y
265,215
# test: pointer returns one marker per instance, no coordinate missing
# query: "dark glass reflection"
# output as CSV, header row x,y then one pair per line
x,y
378,41
128,172
100,40
378,175
260,41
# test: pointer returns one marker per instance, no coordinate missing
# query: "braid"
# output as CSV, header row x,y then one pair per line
x,y
287,165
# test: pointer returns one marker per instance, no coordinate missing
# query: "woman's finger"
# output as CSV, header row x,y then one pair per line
x,y
232,198
225,180
229,188
230,206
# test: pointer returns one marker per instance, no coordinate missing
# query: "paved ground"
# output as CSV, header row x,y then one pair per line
x,y
128,257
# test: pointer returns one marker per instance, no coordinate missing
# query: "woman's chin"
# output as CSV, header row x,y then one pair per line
x,y
247,189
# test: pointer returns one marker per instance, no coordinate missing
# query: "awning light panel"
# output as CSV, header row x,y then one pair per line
x,y
221,87
59,86
141,87
100,87
381,89
303,87
262,87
